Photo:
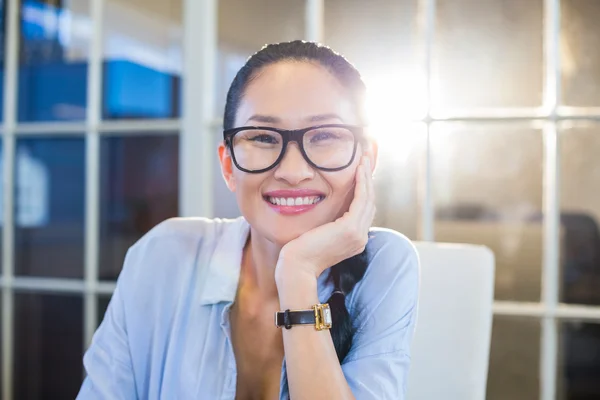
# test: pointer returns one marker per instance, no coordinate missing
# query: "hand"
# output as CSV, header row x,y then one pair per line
x,y
321,248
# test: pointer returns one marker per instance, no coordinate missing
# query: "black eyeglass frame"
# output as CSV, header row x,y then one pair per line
x,y
287,136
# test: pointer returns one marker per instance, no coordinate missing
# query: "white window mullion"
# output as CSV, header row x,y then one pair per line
x,y
10,121
92,171
197,143
551,259
551,243
142,126
314,20
427,224
121,127
427,20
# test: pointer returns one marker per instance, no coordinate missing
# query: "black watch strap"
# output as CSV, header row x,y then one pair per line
x,y
303,317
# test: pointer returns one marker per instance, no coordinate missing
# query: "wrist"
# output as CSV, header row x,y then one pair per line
x,y
296,287
290,269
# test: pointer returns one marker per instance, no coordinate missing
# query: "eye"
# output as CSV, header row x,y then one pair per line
x,y
264,138
323,135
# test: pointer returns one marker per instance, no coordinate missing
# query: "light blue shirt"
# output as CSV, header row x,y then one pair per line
x,y
166,333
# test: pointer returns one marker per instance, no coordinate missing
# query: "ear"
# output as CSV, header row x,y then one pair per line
x,y
226,166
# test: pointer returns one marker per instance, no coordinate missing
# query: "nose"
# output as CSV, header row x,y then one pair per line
x,y
293,168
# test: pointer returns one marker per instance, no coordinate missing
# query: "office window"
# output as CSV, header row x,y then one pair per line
x,y
49,206
487,54
142,59
54,47
514,359
580,59
137,192
489,191
580,213
82,189
578,361
48,347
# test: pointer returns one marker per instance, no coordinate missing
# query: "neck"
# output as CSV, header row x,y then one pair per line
x,y
258,266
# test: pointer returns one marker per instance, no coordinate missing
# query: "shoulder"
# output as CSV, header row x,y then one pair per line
x,y
391,281
183,233
387,246
392,258
175,245
179,228
384,304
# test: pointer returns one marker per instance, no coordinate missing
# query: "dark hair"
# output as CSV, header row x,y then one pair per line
x,y
347,273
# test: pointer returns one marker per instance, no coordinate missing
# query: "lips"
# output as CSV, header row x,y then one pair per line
x,y
294,201
291,202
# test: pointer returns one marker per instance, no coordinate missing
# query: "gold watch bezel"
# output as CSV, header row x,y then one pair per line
x,y
321,312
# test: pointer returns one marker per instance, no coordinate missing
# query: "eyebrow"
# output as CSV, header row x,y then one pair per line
x,y
268,119
324,117
264,118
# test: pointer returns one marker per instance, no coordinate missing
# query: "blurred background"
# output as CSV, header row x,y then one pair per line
x,y
487,113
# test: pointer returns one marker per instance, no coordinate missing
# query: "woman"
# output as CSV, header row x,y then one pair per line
x,y
192,314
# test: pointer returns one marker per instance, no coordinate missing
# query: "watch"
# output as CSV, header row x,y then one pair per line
x,y
319,316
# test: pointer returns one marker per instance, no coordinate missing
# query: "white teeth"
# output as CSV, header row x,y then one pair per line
x,y
294,201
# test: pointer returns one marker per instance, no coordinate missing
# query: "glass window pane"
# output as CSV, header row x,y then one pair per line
x,y
580,57
1,201
514,359
48,349
142,59
579,361
488,191
54,46
1,367
396,178
580,214
488,53
139,187
384,31
246,26
49,206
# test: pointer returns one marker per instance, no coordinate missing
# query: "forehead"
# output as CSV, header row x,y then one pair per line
x,y
294,92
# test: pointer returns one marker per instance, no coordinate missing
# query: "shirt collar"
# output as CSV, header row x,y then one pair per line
x,y
224,264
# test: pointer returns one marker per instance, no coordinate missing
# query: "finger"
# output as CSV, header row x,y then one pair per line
x,y
370,189
359,201
362,210
369,192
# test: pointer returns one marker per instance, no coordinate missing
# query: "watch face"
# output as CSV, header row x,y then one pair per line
x,y
326,315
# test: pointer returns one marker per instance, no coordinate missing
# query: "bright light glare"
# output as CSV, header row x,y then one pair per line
x,y
393,102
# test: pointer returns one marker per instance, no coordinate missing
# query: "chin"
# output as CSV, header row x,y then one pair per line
x,y
282,232
283,235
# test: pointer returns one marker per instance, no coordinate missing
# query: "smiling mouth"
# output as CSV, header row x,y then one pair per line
x,y
294,201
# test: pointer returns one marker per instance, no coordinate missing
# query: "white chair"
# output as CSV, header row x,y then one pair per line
x,y
450,350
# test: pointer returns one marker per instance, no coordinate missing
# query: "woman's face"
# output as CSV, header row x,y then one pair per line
x,y
292,95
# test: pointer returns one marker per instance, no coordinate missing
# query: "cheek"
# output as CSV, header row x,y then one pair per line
x,y
247,185
342,183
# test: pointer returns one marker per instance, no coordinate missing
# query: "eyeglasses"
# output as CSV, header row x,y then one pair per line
x,y
257,149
